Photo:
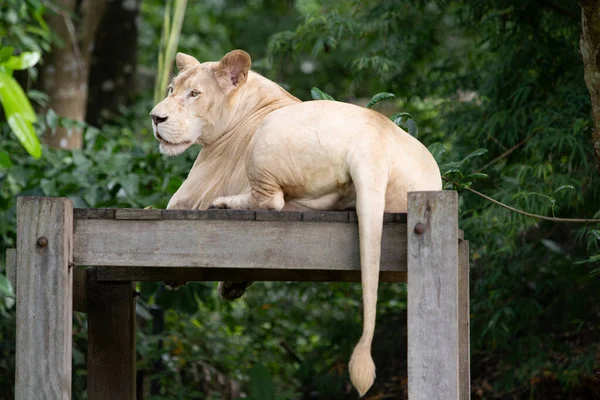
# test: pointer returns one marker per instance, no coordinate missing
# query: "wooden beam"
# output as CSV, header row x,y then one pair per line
x,y
243,244
44,298
111,339
433,296
237,274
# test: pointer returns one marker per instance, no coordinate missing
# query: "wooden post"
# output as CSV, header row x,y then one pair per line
x,y
44,298
11,267
464,321
436,353
111,339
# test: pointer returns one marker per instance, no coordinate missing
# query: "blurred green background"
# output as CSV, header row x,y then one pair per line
x,y
500,80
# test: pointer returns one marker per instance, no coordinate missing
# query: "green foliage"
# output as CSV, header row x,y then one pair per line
x,y
504,77
497,88
379,97
22,25
17,109
318,94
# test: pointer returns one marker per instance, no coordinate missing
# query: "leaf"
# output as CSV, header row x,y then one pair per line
x,y
592,259
5,53
563,187
22,61
5,160
477,175
397,117
13,98
318,94
437,150
26,134
412,128
6,288
19,114
379,97
261,383
52,119
476,153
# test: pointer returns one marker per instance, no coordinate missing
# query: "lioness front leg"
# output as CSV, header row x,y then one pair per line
x,y
240,202
251,201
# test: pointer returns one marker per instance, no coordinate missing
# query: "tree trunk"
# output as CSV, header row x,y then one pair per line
x,y
590,52
112,78
64,75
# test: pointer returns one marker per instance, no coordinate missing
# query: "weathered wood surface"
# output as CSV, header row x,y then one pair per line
x,y
79,281
464,324
155,214
44,298
433,297
80,290
129,213
111,339
11,267
237,274
243,244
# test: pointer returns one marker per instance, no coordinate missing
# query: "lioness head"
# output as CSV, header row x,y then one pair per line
x,y
198,105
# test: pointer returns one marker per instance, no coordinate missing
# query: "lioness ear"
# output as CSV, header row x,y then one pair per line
x,y
184,61
232,70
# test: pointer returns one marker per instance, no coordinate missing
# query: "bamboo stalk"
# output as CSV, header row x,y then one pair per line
x,y
168,45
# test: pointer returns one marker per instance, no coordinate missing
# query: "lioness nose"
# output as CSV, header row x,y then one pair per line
x,y
157,120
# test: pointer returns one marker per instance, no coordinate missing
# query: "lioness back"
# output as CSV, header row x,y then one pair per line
x,y
331,135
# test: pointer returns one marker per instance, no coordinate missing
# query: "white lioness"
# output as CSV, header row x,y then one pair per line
x,y
264,149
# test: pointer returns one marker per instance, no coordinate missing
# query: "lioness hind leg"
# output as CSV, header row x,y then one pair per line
x,y
232,290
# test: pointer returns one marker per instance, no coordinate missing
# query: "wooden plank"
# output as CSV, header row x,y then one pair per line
x,y
184,215
137,214
11,267
325,216
231,244
80,290
278,216
219,274
464,353
241,215
94,213
44,298
111,339
433,296
153,214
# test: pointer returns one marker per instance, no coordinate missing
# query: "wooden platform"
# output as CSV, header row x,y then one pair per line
x,y
424,247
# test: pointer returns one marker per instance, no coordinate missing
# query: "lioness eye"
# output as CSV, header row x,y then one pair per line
x,y
169,90
194,93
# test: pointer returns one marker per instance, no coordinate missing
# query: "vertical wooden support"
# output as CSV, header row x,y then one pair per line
x,y
11,267
111,339
464,321
44,298
435,349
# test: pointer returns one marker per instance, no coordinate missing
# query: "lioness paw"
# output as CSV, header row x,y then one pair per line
x,y
219,203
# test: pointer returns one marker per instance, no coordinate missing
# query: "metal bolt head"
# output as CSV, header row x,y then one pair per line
x,y
419,228
42,241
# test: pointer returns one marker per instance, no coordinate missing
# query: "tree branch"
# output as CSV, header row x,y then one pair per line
x,y
506,153
528,214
